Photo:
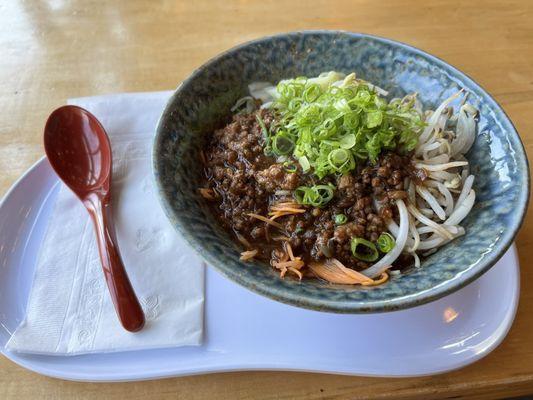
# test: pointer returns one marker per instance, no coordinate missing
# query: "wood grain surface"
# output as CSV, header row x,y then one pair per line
x,y
55,49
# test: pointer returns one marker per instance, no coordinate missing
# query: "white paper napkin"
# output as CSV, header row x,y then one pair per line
x,y
69,309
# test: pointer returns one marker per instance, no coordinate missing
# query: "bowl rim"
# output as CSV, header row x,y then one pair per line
x,y
353,307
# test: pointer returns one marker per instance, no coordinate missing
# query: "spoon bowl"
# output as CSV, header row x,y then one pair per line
x,y
79,151
84,158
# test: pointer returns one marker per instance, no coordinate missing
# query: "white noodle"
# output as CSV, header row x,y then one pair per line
x,y
466,189
430,199
426,211
465,132
425,220
429,147
447,196
453,229
394,230
462,209
441,167
411,192
437,242
263,91
446,177
248,101
391,256
433,120
416,237
417,260
440,159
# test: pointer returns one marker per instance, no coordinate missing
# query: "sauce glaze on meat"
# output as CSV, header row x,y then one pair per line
x,y
244,180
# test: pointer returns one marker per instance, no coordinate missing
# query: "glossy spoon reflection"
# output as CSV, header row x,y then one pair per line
x,y
78,149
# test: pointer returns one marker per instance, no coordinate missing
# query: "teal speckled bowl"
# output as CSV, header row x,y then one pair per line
x,y
204,99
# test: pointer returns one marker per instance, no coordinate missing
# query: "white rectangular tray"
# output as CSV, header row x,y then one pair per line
x,y
247,332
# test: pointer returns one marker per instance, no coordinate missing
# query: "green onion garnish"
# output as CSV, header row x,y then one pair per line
x,y
370,252
341,160
340,219
262,125
267,148
316,196
282,143
347,141
290,167
327,127
311,93
304,163
385,242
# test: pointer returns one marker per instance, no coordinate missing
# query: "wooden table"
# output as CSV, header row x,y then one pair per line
x,y
56,49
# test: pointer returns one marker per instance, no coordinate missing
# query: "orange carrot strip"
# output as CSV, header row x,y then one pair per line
x,y
334,271
243,240
265,219
287,203
295,271
280,238
286,264
350,272
206,193
289,250
383,278
248,255
287,211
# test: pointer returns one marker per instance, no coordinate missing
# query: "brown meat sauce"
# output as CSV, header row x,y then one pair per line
x,y
244,180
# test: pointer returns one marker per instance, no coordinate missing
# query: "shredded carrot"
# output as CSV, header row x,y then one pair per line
x,y
286,261
295,271
349,271
332,270
284,206
280,238
265,219
279,256
248,255
202,157
289,250
272,218
286,264
287,211
243,240
383,278
291,204
207,193
267,233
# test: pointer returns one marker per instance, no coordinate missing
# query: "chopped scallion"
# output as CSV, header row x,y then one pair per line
x,y
385,242
340,219
329,122
369,252
316,196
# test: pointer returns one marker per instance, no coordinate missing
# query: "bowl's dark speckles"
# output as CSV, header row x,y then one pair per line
x,y
204,99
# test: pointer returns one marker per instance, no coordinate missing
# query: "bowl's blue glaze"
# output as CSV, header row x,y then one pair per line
x,y
200,102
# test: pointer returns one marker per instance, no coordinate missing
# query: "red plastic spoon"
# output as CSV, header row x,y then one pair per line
x,y
78,149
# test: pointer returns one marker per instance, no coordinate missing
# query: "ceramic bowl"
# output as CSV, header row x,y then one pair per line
x,y
204,99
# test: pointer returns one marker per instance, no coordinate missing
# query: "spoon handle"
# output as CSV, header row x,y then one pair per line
x,y
126,304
